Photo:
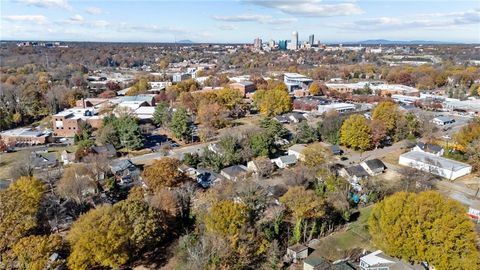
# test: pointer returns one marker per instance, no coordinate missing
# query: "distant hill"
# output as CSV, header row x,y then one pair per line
x,y
185,41
399,42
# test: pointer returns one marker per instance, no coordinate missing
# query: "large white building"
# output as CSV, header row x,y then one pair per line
x,y
293,45
382,89
296,81
339,107
430,163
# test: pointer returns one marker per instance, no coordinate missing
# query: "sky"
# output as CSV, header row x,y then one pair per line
x,y
239,21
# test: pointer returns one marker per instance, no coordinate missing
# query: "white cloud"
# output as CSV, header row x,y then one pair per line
x,y
434,20
94,11
309,8
46,3
37,19
77,18
227,27
264,19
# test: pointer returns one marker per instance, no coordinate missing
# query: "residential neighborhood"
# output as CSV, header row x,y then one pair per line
x,y
315,149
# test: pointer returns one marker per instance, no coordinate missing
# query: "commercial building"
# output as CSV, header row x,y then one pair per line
x,y
311,39
377,89
339,107
296,81
28,136
181,77
471,106
282,44
68,122
433,164
257,43
247,88
293,45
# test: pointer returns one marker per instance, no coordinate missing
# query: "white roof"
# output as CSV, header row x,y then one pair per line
x,y
145,110
431,159
295,75
373,258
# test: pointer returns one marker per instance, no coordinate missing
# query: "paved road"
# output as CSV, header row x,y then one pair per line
x,y
356,157
176,153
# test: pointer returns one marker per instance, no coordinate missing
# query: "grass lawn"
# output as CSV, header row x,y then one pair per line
x,y
8,160
337,245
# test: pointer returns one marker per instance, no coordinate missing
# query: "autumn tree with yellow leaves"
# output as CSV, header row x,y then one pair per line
x,y
427,227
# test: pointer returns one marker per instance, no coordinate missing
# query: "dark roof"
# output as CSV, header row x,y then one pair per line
x,y
357,171
107,149
343,266
375,164
336,149
317,262
430,148
121,165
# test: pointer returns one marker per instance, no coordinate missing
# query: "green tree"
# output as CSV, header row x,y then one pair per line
x,y
180,125
386,112
161,115
83,137
129,132
111,236
305,133
425,227
262,144
108,135
19,208
274,128
356,133
226,218
329,128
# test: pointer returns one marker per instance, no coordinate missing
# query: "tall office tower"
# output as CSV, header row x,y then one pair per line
x,y
311,39
282,44
257,43
294,45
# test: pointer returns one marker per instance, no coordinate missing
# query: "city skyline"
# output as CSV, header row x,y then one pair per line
x,y
239,21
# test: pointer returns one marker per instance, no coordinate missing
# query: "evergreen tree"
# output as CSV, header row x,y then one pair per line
x,y
180,125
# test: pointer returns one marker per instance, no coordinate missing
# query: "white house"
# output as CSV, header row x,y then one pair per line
x,y
433,164
285,161
380,261
373,166
434,149
443,120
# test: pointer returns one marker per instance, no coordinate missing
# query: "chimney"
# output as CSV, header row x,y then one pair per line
x,y
83,102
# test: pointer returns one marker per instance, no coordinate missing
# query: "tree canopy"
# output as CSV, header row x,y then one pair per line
x,y
110,236
226,218
273,102
356,133
180,125
19,208
425,227
163,172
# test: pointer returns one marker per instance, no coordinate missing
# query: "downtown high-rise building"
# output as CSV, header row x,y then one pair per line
x,y
257,43
311,39
294,42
